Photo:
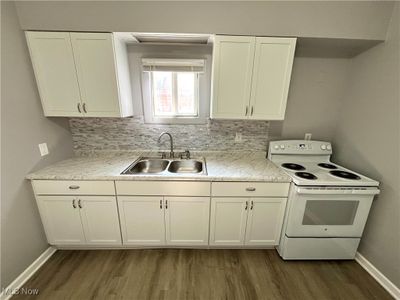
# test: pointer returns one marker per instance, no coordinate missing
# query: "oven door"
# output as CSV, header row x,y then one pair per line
x,y
328,212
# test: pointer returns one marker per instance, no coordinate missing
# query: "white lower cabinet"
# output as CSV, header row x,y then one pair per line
x,y
228,221
100,221
264,221
246,221
186,220
61,220
76,220
157,221
142,220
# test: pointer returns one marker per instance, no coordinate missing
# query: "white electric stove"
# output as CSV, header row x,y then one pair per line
x,y
328,205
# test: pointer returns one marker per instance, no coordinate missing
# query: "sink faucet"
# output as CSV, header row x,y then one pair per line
x,y
171,153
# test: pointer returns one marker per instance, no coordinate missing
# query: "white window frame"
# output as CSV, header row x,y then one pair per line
x,y
203,94
175,97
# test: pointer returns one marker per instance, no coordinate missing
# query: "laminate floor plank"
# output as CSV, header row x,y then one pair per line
x,y
180,274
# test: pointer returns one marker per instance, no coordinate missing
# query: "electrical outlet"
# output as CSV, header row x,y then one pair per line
x,y
238,137
307,136
43,149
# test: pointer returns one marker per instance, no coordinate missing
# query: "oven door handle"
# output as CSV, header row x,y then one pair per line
x,y
328,191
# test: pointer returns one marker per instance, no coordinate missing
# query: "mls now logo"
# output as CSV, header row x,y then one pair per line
x,y
20,291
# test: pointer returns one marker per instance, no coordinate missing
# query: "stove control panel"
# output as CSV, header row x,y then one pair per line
x,y
301,147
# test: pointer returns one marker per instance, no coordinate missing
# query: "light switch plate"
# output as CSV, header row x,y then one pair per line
x,y
43,149
307,136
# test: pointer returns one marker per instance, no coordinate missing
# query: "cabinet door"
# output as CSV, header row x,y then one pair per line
x,y
271,77
142,220
232,70
265,220
95,65
54,67
100,220
61,220
187,220
228,221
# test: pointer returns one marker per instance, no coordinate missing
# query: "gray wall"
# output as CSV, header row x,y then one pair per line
x,y
316,91
329,19
23,127
367,140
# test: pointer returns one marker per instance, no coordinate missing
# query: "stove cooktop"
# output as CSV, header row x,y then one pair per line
x,y
323,174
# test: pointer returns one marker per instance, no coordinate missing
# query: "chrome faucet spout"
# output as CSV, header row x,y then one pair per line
x,y
171,140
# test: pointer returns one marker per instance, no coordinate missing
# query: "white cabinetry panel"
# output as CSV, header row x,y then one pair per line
x,y
53,64
61,220
142,220
265,221
95,66
232,70
228,221
271,77
187,220
100,220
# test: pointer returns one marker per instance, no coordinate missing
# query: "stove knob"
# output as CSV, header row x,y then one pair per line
x,y
276,147
282,146
323,147
328,147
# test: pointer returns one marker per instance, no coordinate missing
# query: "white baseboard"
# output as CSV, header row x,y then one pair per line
x,y
26,274
378,276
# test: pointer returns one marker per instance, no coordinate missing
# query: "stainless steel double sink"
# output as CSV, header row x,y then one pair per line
x,y
163,166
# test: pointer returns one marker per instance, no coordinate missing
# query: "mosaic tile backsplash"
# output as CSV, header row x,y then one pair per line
x,y
117,134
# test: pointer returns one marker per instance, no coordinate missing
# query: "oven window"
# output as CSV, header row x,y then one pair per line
x,y
330,212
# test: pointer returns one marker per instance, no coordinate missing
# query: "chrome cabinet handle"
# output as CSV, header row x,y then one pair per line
x,y
166,204
79,108
250,189
247,205
73,203
160,204
247,110
74,187
252,205
251,112
84,107
79,203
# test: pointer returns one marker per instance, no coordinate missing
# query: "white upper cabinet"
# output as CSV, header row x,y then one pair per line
x,y
273,62
53,63
81,74
251,77
232,69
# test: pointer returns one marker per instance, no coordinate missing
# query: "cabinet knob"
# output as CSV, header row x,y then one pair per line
x,y
160,204
251,112
79,203
84,107
73,203
247,205
74,187
252,205
247,110
79,107
166,204
250,189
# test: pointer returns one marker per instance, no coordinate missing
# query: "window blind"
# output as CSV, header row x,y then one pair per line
x,y
173,65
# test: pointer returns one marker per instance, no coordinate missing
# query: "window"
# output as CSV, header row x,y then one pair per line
x,y
174,94
175,91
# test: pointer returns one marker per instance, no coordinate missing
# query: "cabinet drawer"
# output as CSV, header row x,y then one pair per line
x,y
250,189
163,188
73,187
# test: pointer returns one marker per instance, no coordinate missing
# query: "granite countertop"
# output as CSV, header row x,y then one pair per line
x,y
221,166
